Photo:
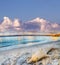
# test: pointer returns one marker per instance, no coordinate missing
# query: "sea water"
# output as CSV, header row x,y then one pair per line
x,y
26,40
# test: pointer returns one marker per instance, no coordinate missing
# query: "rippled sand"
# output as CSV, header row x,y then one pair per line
x,y
22,56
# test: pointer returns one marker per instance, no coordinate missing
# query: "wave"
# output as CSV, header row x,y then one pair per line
x,y
29,45
14,42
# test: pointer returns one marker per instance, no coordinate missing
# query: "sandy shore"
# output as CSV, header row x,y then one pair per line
x,y
13,54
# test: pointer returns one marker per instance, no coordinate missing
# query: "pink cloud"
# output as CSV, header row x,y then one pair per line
x,y
55,25
41,21
6,21
16,24
37,24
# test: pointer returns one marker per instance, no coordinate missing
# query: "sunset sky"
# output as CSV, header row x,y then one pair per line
x,y
30,9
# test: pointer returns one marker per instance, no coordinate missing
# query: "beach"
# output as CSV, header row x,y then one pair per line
x,y
11,56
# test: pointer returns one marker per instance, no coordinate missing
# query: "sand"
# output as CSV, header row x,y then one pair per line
x,y
16,56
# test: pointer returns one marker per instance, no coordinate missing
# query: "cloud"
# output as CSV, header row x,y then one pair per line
x,y
31,26
8,24
41,22
55,25
5,24
1,28
41,25
37,25
16,24
6,21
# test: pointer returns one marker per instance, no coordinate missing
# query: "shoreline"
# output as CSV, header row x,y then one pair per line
x,y
2,49
18,52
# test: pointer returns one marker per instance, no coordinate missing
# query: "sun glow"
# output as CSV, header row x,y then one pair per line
x,y
54,38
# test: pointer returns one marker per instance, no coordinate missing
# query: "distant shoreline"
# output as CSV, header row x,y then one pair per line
x,y
53,35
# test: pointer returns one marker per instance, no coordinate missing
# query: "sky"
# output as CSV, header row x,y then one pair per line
x,y
29,9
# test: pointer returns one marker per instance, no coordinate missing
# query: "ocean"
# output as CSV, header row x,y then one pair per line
x,y
26,40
